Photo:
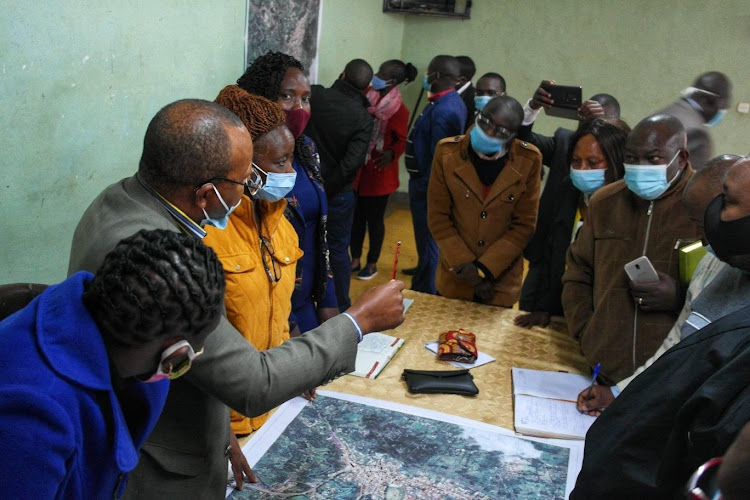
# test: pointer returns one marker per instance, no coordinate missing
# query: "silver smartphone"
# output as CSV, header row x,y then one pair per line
x,y
641,270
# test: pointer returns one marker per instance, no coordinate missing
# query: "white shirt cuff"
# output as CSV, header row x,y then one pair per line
x,y
356,325
529,114
615,390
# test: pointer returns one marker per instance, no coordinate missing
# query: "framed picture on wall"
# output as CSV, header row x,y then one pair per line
x,y
289,26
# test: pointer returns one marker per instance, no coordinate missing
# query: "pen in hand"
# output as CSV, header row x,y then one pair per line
x,y
593,380
395,260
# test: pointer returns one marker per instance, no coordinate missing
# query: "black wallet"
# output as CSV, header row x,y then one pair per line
x,y
440,382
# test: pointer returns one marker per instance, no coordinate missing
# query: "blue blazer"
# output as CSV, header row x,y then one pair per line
x,y
63,433
440,119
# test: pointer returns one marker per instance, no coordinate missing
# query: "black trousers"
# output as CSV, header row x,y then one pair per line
x,y
369,214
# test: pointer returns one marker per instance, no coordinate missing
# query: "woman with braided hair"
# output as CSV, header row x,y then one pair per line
x,y
84,367
259,248
280,78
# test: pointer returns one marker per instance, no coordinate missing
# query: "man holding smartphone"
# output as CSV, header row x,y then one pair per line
x,y
620,323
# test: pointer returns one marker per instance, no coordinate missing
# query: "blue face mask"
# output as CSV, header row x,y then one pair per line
x,y
483,143
480,101
717,118
276,187
648,181
222,222
426,82
587,181
378,83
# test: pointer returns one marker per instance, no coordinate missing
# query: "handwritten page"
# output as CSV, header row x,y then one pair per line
x,y
374,352
550,418
546,384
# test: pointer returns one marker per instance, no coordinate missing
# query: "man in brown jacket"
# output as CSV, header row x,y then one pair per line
x,y
620,323
482,203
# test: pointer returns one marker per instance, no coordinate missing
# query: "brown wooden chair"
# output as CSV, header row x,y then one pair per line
x,y
16,296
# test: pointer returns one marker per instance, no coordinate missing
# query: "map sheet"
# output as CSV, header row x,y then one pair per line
x,y
349,447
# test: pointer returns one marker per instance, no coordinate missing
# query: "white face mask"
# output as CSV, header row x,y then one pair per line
x,y
222,222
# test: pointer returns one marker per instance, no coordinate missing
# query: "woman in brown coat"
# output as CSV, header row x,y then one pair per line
x,y
482,203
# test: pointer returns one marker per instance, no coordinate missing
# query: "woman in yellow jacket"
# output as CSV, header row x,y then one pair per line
x,y
259,248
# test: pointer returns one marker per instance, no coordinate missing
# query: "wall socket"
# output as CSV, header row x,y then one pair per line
x,y
743,107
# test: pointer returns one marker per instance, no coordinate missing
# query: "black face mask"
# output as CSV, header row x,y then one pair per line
x,y
727,238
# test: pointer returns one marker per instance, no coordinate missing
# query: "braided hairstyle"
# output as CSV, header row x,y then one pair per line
x,y
263,77
265,73
156,284
259,115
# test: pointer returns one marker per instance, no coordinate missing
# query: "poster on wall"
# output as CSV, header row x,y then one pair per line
x,y
289,26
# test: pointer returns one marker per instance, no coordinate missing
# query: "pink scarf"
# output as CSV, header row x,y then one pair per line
x,y
381,108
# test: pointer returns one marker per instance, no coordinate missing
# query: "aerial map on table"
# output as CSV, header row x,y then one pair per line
x,y
343,446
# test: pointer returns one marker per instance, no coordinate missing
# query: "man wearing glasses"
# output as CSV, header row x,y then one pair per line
x,y
482,205
196,164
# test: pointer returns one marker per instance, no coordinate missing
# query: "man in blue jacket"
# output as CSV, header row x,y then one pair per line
x,y
83,367
444,116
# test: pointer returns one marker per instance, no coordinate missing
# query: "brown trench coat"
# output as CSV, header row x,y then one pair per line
x,y
467,226
596,298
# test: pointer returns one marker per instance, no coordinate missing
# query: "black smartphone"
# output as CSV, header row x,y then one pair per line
x,y
567,101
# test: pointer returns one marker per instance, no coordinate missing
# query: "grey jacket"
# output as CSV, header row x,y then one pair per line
x,y
698,139
184,457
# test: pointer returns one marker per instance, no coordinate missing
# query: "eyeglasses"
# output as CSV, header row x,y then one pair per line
x,y
266,251
492,129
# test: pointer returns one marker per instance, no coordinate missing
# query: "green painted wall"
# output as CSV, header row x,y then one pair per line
x,y
79,81
641,51
356,29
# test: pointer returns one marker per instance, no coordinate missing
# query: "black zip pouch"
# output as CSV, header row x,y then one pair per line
x,y
440,382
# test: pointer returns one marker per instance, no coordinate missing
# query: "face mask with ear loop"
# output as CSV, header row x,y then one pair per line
x,y
222,222
720,114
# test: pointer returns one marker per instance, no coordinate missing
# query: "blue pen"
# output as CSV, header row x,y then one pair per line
x,y
593,380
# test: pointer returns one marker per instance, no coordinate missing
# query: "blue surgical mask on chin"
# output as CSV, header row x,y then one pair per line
x,y
222,222
649,181
426,82
717,118
276,186
483,143
480,101
587,181
378,83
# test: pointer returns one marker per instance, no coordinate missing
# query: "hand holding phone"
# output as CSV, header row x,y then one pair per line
x,y
566,100
641,270
653,290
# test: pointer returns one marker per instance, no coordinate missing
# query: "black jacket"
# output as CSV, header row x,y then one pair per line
x,y
554,226
683,410
341,128
468,98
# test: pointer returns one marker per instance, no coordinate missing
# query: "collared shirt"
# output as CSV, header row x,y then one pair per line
x,y
434,97
187,224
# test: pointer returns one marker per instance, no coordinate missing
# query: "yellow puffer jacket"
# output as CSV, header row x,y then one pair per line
x,y
257,307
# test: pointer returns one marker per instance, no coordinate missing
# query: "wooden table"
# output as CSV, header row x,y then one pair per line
x,y
538,348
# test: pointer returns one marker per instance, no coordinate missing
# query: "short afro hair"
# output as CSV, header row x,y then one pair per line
x,y
156,285
186,143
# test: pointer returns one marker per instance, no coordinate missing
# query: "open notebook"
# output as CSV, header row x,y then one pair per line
x,y
545,404
376,350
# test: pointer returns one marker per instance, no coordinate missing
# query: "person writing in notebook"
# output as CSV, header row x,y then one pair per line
x,y
703,187
689,405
